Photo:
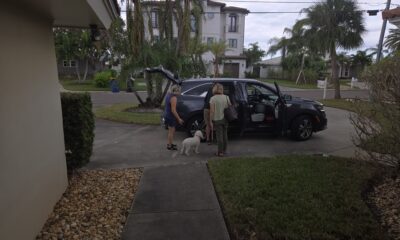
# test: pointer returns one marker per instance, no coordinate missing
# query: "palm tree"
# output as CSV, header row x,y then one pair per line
x,y
218,50
393,40
360,60
294,44
332,24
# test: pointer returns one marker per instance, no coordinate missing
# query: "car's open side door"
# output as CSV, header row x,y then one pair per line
x,y
280,111
242,107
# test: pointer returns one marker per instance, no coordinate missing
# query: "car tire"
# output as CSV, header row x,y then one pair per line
x,y
302,128
195,123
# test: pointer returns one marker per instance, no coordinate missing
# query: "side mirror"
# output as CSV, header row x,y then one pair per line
x,y
287,97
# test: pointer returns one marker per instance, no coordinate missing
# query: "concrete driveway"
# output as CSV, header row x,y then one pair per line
x,y
120,145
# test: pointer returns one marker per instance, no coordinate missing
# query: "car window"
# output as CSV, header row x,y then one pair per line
x,y
187,85
260,92
199,90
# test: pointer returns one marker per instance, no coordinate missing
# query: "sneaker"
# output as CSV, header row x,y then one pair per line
x,y
172,147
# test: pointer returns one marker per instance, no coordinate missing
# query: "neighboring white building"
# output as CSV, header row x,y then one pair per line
x,y
270,68
33,173
219,23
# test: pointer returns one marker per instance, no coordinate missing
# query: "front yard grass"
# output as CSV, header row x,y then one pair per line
x,y
88,85
295,197
120,113
341,104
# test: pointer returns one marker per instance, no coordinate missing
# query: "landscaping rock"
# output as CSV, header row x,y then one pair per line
x,y
386,197
94,206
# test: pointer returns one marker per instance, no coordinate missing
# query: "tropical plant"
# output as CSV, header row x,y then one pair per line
x,y
218,50
360,60
253,54
333,24
393,40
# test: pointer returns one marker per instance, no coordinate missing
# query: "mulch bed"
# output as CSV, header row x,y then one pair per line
x,y
386,197
94,206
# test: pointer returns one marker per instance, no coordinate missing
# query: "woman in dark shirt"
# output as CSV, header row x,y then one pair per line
x,y
171,116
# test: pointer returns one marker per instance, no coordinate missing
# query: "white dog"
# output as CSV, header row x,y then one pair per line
x,y
192,142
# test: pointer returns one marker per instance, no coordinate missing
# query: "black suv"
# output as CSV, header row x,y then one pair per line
x,y
260,107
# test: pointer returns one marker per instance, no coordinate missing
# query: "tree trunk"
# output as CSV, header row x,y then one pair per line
x,y
301,70
86,69
77,71
164,92
216,68
149,86
335,76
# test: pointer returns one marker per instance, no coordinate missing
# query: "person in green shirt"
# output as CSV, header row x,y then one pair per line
x,y
218,103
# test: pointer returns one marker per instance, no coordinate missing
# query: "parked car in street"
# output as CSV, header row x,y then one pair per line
x,y
260,107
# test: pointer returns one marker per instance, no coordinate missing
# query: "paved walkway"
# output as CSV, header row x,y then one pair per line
x,y
178,203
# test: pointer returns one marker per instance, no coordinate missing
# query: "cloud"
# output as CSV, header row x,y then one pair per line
x,y
262,27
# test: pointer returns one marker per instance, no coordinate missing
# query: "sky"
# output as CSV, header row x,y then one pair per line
x,y
262,27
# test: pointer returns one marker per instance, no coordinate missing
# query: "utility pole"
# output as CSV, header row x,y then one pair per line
x,y
379,55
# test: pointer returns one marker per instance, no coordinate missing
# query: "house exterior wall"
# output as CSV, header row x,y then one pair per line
x,y
32,155
239,35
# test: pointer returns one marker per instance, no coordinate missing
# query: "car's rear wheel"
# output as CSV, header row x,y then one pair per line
x,y
194,124
302,128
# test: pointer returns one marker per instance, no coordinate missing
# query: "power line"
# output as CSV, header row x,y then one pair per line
x,y
271,12
291,2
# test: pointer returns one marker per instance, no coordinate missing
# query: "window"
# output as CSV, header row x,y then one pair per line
x,y
154,19
199,90
259,93
210,15
232,43
210,40
69,63
346,71
192,23
233,27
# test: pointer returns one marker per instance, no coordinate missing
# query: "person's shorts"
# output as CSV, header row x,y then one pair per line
x,y
171,122
206,115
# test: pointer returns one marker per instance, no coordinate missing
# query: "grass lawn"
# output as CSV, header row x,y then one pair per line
x,y
292,84
88,85
295,197
118,113
341,104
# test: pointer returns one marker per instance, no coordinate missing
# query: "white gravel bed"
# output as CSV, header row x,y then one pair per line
x,y
94,206
387,199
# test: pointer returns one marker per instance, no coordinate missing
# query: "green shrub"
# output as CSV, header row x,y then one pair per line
x,y
78,123
102,79
311,76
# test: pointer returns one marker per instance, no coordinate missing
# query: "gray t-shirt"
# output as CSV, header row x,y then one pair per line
x,y
220,102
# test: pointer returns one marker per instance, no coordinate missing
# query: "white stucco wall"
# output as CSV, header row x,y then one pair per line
x,y
239,35
211,24
32,160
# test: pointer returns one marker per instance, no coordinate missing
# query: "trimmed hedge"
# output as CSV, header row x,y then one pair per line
x,y
78,122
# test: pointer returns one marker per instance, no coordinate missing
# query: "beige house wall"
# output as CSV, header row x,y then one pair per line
x,y
32,160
